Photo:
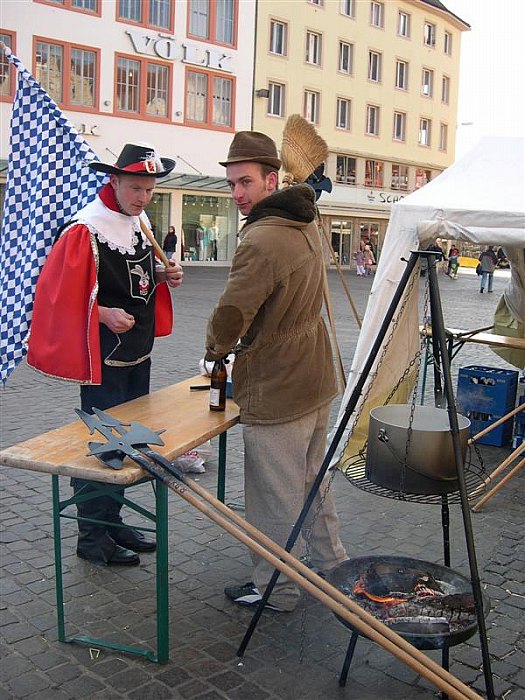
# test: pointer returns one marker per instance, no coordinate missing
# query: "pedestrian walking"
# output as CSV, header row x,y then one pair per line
x,y
488,262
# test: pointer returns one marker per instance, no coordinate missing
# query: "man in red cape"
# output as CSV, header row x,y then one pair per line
x,y
98,307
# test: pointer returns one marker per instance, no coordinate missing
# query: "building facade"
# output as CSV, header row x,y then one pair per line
x,y
379,80
177,74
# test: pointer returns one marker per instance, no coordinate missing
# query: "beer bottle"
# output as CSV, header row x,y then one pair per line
x,y
218,386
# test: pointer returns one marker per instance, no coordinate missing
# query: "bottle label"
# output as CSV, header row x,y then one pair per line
x,y
215,397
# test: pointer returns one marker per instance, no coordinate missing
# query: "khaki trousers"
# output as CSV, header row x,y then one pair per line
x,y
281,462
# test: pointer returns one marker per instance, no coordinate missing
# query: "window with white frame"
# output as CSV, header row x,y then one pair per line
x,y
347,8
399,177
377,11
6,69
429,34
276,99
443,137
209,99
372,120
402,75
150,13
403,24
346,57
400,121
447,43
68,73
343,113
374,173
132,74
427,82
374,66
311,106
214,21
313,48
345,170
278,37
320,3
445,89
424,131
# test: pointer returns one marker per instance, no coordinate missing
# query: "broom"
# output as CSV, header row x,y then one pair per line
x,y
302,150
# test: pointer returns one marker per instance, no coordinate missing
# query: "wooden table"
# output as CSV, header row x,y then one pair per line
x,y
187,421
456,339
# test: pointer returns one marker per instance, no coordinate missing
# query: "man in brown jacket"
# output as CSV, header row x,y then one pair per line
x,y
283,375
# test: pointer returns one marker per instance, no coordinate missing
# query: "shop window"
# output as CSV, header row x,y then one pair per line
x,y
209,99
422,177
7,71
143,88
68,73
208,226
213,20
374,173
399,177
345,170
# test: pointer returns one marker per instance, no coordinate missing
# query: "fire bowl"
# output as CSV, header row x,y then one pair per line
x,y
429,605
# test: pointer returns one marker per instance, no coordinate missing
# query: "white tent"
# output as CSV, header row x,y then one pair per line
x,y
481,199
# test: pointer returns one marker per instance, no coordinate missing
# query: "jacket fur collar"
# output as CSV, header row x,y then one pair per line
x,y
296,203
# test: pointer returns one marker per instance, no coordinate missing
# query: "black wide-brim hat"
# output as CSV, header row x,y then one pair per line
x,y
137,160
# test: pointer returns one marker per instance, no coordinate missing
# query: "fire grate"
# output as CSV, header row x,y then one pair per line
x,y
354,469
430,605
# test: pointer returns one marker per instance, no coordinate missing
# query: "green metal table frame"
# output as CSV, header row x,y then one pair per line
x,y
160,520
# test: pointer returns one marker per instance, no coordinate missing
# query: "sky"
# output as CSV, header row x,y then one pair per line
x,y
491,99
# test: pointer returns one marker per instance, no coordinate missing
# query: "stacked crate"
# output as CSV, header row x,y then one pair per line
x,y
519,421
484,395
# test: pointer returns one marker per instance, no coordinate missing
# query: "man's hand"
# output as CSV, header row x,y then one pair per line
x,y
117,320
174,274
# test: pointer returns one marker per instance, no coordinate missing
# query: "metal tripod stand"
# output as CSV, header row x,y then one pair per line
x,y
440,356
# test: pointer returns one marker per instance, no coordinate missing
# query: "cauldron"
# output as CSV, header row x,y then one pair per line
x,y
429,466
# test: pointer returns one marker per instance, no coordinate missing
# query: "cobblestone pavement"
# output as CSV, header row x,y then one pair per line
x,y
291,656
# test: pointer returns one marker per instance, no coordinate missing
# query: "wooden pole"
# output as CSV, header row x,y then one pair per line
x,y
515,453
149,235
493,491
340,604
497,423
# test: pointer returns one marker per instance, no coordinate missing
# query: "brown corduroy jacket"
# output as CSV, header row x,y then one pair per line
x,y
272,301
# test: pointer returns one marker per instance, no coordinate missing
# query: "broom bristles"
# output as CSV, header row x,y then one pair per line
x,y
302,149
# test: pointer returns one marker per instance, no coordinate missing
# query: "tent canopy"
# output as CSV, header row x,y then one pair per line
x,y
481,199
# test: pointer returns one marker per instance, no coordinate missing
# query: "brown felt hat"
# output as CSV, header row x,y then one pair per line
x,y
254,147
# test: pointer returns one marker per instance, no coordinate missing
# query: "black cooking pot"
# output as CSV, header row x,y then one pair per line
x,y
422,635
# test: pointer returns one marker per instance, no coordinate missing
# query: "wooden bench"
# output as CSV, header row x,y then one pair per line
x,y
187,421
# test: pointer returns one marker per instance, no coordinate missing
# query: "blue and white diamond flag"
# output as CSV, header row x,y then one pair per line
x,y
48,181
